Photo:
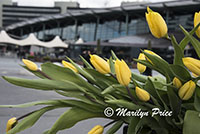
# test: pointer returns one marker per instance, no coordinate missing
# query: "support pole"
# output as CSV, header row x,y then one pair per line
x,y
76,29
96,28
127,25
43,31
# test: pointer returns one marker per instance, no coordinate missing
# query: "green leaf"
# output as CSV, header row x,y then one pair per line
x,y
76,95
175,102
70,118
191,122
132,125
88,107
150,88
30,120
186,40
66,74
81,71
197,99
102,80
86,63
115,127
178,53
108,90
114,55
151,123
30,104
160,64
112,66
60,73
44,84
149,65
126,104
195,43
139,77
36,73
180,72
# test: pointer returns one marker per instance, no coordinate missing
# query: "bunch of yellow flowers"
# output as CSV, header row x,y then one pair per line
x,y
110,83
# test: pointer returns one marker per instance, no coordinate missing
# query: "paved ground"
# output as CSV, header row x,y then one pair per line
x,y
10,94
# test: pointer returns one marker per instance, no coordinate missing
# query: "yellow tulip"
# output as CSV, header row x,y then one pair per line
x,y
97,130
192,64
100,64
187,90
195,75
11,123
69,65
30,65
196,22
156,23
141,67
123,73
152,53
142,94
177,83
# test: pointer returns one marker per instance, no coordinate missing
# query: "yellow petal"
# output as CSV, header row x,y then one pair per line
x,y
142,94
196,22
100,64
141,67
30,65
187,90
125,72
97,130
192,64
157,24
11,123
69,65
117,71
177,83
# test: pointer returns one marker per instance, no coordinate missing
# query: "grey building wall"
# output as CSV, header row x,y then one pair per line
x,y
3,2
63,5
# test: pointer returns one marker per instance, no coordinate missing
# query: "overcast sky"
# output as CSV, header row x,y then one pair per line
x,y
83,3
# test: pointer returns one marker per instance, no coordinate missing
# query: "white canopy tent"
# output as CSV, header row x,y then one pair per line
x,y
32,40
79,41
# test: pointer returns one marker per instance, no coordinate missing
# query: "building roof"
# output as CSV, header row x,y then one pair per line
x,y
139,41
84,15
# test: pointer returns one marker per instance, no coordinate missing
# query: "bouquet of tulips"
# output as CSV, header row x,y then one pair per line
x,y
167,104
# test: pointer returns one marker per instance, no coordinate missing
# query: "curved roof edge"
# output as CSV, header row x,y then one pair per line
x,y
73,13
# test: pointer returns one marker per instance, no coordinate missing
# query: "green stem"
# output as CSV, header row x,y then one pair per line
x,y
131,96
45,75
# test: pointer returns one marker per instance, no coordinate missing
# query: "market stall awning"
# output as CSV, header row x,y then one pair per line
x,y
32,40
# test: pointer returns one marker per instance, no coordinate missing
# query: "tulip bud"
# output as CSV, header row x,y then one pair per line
x,y
187,90
142,94
100,64
156,23
192,64
177,83
69,65
97,130
195,75
152,53
30,65
11,123
141,67
196,22
123,73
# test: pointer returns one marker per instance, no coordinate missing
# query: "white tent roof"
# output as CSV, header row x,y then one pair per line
x,y
79,41
32,40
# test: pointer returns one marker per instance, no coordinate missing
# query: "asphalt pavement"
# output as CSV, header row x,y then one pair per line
x,y
11,94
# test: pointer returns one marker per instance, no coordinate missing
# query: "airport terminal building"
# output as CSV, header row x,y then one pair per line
x,y
123,29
